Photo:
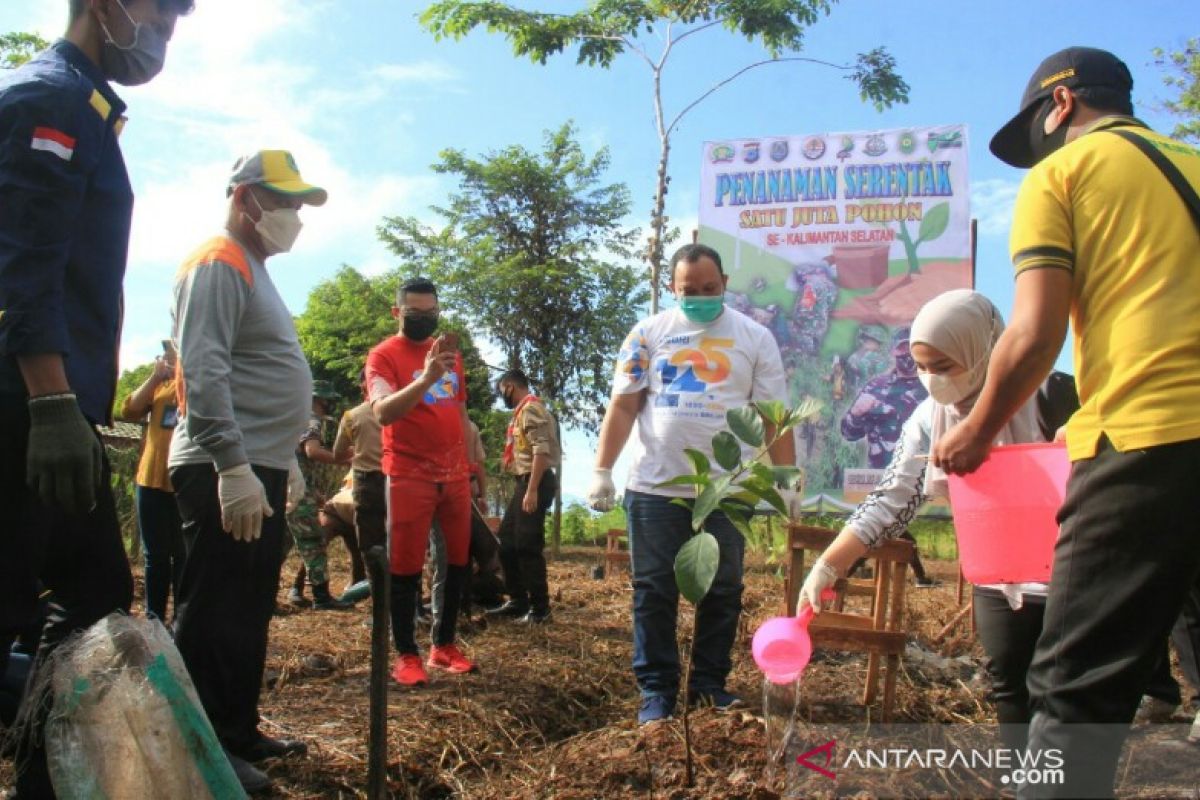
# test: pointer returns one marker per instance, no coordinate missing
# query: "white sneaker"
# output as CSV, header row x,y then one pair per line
x,y
1194,733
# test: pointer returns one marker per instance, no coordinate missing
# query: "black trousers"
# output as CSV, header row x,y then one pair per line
x,y
79,559
370,509
1127,557
1185,635
523,544
1008,638
226,599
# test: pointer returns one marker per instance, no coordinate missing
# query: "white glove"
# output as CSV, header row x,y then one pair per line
x,y
296,486
243,503
602,494
820,577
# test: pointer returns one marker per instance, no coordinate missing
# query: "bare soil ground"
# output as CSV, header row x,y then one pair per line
x,y
551,713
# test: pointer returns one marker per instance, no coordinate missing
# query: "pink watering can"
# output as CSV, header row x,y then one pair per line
x,y
782,646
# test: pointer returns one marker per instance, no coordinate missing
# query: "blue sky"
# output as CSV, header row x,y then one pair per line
x,y
366,100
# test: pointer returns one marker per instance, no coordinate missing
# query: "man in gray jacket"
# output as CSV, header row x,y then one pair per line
x,y
244,401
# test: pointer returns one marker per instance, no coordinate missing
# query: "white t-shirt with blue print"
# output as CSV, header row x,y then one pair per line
x,y
694,373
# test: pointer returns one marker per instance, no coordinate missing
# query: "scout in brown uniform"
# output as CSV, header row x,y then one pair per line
x,y
531,452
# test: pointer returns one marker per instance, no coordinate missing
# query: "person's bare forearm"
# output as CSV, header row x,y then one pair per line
x,y
318,453
397,404
1019,364
782,452
43,373
541,462
843,551
141,401
614,431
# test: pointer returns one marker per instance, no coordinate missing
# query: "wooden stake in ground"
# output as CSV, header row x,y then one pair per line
x,y
381,591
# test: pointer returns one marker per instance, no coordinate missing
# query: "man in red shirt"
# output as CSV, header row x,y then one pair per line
x,y
418,391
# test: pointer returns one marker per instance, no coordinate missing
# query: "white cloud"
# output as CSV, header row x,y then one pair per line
x,y
420,72
992,205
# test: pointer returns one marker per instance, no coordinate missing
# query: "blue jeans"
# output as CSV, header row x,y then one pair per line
x,y
657,530
162,546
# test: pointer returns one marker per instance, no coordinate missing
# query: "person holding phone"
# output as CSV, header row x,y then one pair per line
x,y
418,390
154,402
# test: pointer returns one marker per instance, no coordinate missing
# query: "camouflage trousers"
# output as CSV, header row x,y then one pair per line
x,y
310,541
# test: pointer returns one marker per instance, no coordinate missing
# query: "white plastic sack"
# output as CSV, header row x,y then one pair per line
x,y
126,722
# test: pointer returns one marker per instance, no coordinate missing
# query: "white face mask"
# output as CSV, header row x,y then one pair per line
x,y
278,228
948,389
137,62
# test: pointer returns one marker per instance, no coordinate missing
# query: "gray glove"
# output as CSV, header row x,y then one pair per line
x,y
64,459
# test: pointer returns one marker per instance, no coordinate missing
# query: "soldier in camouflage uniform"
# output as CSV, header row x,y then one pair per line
x,y
816,295
306,529
884,404
868,359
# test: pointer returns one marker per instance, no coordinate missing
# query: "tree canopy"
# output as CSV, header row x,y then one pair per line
x,y
16,48
531,255
1183,75
606,29
349,314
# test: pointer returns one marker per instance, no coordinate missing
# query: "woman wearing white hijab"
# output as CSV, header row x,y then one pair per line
x,y
951,341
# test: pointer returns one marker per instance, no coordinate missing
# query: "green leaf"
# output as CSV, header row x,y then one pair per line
x,y
682,502
787,477
765,490
696,566
771,410
763,472
746,424
706,501
699,461
739,519
726,450
934,223
685,480
776,502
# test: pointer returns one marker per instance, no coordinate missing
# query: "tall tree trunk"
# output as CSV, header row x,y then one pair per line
x,y
658,225
658,222
556,534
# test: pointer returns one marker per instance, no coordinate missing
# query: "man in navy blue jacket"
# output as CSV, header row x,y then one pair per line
x,y
65,208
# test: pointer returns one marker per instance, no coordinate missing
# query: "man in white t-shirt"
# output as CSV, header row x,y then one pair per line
x,y
677,374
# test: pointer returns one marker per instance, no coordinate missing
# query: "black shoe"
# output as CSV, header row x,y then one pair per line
x,y
324,601
266,747
535,617
512,608
252,779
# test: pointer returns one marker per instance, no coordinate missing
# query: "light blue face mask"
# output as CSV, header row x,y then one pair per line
x,y
701,309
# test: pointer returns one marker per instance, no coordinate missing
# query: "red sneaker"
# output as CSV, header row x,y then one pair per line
x,y
451,659
408,671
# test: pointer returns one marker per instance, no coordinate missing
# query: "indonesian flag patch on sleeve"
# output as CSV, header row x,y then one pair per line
x,y
53,141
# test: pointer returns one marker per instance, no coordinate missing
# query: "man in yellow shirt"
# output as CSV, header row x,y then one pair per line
x,y
1101,237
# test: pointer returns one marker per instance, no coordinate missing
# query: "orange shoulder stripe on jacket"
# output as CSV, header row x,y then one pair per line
x,y
218,248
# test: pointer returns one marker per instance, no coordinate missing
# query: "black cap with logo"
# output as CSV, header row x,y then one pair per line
x,y
1074,67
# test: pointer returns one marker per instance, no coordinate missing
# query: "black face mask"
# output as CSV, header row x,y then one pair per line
x,y
1042,144
509,400
419,328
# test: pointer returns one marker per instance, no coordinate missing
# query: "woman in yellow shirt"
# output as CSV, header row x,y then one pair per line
x,y
157,514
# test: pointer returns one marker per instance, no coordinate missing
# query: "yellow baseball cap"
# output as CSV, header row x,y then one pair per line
x,y
277,171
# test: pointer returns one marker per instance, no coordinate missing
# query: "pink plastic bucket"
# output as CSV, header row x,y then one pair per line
x,y
1004,513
